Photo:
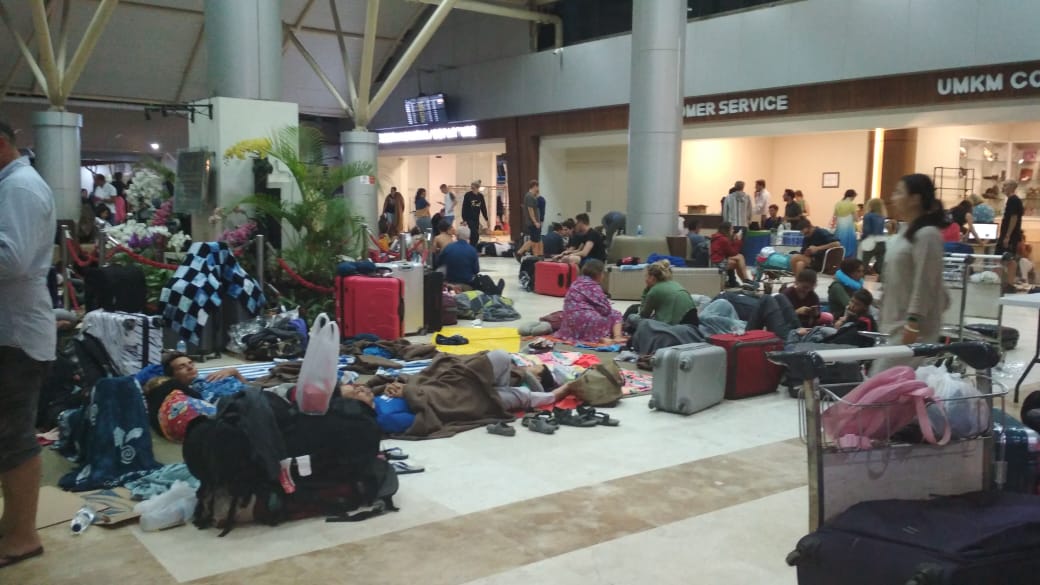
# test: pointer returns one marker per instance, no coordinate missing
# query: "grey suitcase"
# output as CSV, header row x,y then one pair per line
x,y
411,276
688,378
132,340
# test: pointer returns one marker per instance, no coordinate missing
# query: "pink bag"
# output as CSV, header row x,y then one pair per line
x,y
860,419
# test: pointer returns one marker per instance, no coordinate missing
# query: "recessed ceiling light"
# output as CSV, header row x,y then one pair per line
x,y
154,145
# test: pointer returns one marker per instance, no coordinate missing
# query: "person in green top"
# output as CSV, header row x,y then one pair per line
x,y
664,299
847,281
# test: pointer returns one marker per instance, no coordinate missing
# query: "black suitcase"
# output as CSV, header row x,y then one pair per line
x,y
115,288
1008,335
841,376
433,300
982,538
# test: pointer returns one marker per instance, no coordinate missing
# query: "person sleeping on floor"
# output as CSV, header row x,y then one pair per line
x,y
537,387
180,395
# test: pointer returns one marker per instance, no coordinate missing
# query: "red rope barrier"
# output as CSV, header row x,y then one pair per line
x,y
300,280
71,291
74,254
143,260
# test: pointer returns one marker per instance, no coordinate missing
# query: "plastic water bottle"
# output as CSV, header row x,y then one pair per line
x,y
182,346
639,230
82,520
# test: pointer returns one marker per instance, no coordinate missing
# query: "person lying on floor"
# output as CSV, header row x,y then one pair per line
x,y
396,416
180,395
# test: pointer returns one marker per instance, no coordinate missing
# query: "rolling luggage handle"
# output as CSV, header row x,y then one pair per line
x,y
805,365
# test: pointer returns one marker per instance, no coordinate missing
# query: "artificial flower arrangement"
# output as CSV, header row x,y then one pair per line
x,y
146,188
250,148
142,237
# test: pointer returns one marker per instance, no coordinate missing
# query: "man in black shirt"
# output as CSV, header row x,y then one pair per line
x,y
1010,233
473,206
815,244
586,243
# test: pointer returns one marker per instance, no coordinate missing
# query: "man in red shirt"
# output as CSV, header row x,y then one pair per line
x,y
725,252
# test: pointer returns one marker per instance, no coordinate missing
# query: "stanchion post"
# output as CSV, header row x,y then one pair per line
x,y
260,261
102,244
65,239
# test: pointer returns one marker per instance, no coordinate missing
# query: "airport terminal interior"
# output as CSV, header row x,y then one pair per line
x,y
494,292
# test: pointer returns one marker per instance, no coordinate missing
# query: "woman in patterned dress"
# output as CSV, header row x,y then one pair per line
x,y
587,314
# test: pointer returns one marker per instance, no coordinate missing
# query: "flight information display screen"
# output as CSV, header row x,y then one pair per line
x,y
427,109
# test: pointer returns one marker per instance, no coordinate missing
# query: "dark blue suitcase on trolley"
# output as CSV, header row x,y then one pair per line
x,y
982,538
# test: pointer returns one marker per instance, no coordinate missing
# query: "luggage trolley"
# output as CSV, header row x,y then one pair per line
x,y
840,476
974,282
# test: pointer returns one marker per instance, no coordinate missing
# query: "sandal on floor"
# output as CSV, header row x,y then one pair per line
x,y
574,419
501,428
541,422
8,560
403,468
395,454
601,418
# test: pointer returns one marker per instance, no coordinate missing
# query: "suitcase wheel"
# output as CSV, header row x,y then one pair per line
x,y
652,404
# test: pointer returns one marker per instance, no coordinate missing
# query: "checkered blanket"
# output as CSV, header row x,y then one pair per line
x,y
208,274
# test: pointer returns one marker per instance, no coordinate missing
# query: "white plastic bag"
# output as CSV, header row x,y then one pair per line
x,y
967,411
168,509
318,372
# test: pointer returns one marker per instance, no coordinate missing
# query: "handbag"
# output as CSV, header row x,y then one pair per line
x,y
966,410
883,405
599,385
318,373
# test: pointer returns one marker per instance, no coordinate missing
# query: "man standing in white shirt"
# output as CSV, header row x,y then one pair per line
x,y
27,342
449,205
760,205
105,193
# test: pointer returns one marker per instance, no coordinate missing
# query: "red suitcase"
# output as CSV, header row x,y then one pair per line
x,y
554,278
372,305
749,372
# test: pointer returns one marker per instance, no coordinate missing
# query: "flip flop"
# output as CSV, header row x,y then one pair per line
x,y
8,560
403,468
501,428
601,418
540,423
571,419
395,454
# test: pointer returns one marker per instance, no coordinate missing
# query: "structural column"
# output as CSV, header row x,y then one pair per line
x,y
57,149
244,49
655,115
358,146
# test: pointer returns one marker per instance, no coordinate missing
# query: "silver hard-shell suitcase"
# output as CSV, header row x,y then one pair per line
x,y
688,378
132,340
411,276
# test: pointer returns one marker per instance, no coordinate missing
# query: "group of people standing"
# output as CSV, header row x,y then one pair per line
x,y
472,207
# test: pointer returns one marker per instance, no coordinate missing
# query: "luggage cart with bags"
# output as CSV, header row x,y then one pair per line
x,y
890,510
975,282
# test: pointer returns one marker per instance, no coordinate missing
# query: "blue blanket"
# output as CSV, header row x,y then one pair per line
x,y
113,439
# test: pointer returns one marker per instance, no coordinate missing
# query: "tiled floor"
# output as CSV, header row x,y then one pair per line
x,y
718,497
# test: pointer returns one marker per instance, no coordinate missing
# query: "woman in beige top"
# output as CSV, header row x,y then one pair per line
x,y
915,296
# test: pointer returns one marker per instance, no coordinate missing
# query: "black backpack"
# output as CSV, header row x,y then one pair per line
x,y
273,343
60,390
527,272
346,472
116,288
92,360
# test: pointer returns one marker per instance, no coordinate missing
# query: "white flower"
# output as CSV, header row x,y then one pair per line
x,y
177,241
147,186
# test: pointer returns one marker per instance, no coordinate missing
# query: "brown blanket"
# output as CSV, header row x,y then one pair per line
x,y
454,394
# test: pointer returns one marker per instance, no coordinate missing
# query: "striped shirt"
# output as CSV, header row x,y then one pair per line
x,y
736,209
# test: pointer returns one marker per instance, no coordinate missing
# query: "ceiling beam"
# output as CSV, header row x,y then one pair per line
x,y
410,55
63,34
507,12
24,48
191,62
320,72
348,71
368,55
45,49
295,27
200,14
392,52
86,47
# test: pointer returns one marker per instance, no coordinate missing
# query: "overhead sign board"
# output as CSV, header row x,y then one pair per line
x,y
447,133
